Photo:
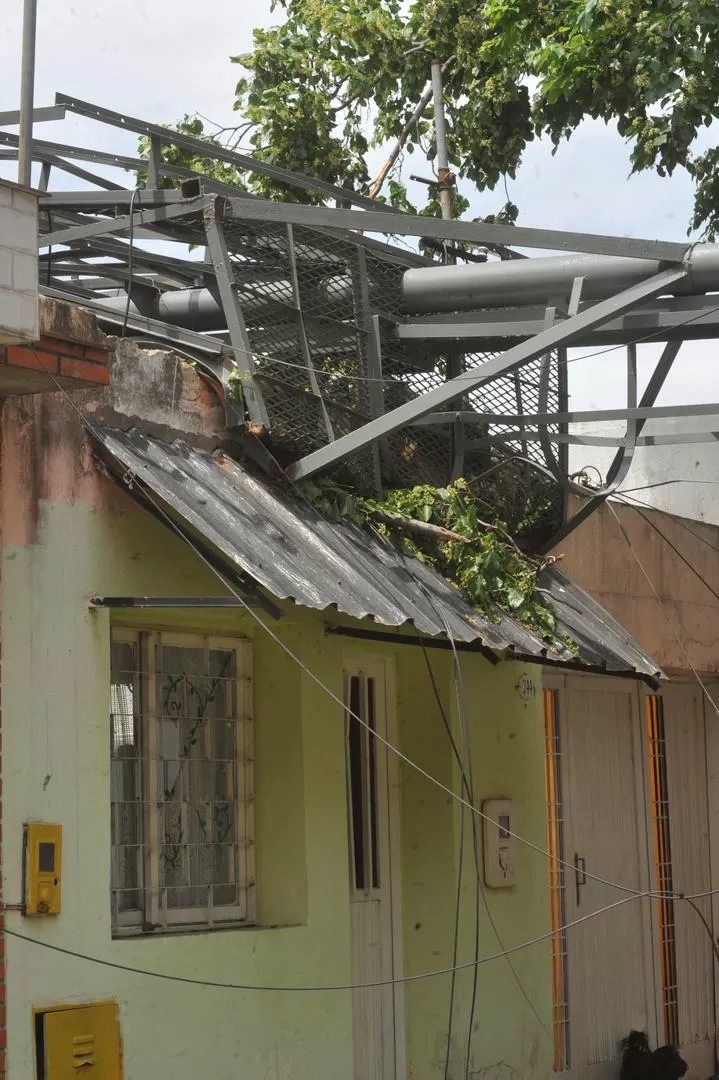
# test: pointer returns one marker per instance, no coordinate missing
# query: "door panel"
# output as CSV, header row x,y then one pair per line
x,y
609,958
691,871
377,1027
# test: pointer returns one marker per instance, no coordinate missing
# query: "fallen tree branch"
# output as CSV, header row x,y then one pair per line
x,y
425,529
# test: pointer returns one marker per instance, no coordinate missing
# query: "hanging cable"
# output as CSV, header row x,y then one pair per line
x,y
705,924
420,976
667,616
484,895
629,500
676,550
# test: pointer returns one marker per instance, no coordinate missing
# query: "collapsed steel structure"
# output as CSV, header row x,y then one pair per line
x,y
357,356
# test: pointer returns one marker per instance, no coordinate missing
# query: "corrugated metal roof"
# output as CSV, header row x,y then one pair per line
x,y
291,550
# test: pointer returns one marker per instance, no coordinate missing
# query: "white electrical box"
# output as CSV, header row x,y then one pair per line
x,y
499,855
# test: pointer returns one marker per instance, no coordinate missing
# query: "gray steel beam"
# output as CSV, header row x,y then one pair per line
x,y
11,117
100,157
199,146
239,338
589,416
92,201
684,317
115,161
676,438
113,248
102,226
470,231
48,159
622,459
563,333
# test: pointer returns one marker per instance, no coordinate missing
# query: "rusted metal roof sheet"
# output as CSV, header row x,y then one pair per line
x,y
291,550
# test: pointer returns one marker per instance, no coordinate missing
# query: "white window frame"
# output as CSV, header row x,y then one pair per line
x,y
153,917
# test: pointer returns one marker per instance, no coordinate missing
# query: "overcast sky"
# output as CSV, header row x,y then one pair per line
x,y
160,59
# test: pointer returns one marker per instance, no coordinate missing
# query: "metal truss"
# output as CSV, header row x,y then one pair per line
x,y
352,355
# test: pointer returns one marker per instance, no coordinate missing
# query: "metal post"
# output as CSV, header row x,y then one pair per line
x,y
27,92
444,175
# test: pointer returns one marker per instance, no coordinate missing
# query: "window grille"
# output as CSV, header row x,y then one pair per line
x,y
181,781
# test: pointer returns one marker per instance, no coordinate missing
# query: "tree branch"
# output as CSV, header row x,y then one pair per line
x,y
405,133
425,529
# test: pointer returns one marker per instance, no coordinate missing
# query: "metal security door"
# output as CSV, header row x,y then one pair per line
x,y
378,1028
609,958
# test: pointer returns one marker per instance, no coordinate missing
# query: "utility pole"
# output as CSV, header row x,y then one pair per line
x,y
27,92
445,178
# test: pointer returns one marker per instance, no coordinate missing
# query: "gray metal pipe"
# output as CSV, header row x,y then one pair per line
x,y
440,134
197,308
542,280
27,92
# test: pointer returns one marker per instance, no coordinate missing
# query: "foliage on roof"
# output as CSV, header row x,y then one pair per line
x,y
478,556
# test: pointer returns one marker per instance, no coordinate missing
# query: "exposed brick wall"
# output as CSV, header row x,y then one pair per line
x,y
63,359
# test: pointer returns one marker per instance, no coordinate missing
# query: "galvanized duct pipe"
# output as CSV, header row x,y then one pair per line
x,y
536,281
198,309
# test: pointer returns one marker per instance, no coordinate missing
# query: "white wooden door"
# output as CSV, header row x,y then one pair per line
x,y
686,779
378,1023
609,958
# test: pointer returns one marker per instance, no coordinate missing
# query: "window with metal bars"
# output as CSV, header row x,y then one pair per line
x,y
556,882
663,864
181,781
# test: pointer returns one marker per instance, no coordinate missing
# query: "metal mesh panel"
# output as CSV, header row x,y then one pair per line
x,y
321,312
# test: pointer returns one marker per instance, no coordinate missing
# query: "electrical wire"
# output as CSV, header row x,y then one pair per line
x,y
667,616
484,895
629,500
665,483
643,339
467,780
385,380
458,903
329,986
131,479
675,549
467,770
706,925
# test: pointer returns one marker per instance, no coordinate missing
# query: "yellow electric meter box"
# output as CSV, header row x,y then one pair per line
x,y
78,1040
43,868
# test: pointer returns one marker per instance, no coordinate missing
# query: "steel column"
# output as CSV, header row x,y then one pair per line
x,y
27,91
239,338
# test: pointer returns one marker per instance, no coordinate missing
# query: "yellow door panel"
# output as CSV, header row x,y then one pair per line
x,y
82,1042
